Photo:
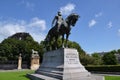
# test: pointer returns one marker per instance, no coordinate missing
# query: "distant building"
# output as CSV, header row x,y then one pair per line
x,y
21,36
102,53
118,57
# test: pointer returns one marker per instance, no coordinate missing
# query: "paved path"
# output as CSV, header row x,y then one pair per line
x,y
14,70
106,74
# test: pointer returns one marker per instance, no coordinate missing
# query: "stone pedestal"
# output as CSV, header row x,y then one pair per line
x,y
20,62
62,64
34,61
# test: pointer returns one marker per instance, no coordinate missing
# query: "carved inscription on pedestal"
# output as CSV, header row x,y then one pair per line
x,y
72,58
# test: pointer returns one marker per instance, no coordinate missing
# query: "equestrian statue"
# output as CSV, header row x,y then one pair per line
x,y
61,28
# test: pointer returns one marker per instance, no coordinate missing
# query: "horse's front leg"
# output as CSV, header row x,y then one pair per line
x,y
66,44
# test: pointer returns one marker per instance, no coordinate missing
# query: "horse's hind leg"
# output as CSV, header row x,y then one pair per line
x,y
56,45
62,41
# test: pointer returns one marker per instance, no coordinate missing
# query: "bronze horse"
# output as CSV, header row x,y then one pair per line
x,y
65,28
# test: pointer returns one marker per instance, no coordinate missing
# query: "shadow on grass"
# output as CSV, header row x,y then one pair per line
x,y
24,76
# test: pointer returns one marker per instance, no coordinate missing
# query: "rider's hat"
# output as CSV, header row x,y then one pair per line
x,y
59,13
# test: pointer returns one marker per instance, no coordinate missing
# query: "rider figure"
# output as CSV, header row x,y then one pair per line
x,y
59,20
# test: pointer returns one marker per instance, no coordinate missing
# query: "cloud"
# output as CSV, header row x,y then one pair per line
x,y
98,14
119,32
35,27
92,23
7,29
38,37
67,9
109,24
36,22
28,5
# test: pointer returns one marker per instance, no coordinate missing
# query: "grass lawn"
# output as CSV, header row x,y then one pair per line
x,y
15,75
21,75
112,77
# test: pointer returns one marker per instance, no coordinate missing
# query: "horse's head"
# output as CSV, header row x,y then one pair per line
x,y
72,18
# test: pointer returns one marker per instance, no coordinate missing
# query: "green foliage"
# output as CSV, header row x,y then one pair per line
x,y
76,46
86,59
118,51
113,52
109,59
71,44
96,55
103,68
97,59
10,48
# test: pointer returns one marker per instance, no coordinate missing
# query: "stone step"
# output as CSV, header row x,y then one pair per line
x,y
60,75
40,77
57,75
43,77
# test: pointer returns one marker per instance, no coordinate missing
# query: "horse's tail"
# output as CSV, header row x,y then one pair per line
x,y
47,37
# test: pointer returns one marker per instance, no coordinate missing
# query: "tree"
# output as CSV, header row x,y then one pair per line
x,y
113,52
109,59
11,47
86,59
118,51
76,46
97,59
4,51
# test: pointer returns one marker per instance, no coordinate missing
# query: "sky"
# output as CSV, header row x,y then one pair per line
x,y
97,30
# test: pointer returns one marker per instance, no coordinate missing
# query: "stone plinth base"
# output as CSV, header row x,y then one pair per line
x,y
62,64
34,67
34,61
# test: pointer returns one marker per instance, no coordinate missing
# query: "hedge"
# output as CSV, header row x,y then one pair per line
x,y
104,68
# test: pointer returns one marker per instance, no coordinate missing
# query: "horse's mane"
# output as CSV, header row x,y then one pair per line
x,y
71,15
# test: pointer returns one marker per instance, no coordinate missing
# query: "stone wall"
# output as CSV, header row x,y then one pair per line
x,y
7,65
